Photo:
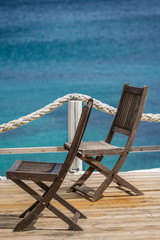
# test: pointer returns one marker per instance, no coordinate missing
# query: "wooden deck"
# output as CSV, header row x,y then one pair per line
x,y
116,216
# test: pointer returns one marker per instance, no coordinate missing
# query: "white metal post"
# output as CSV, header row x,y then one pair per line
x,y
74,112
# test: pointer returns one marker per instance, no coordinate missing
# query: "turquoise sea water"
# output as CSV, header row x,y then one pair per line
x,y
51,48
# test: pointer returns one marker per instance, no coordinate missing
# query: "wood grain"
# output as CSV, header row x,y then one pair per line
x,y
117,216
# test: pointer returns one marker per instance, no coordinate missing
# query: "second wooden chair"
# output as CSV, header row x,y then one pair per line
x,y
126,122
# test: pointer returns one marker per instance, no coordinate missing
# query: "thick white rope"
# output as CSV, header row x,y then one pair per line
x,y
149,117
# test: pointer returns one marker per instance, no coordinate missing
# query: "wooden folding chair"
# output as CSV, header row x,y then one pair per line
x,y
126,122
53,172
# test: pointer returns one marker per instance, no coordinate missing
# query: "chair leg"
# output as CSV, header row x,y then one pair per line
x,y
42,203
124,183
61,200
69,206
30,217
71,222
108,181
28,210
118,180
38,209
102,188
82,179
111,176
74,219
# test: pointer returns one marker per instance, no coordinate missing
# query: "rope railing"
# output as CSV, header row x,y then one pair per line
x,y
149,117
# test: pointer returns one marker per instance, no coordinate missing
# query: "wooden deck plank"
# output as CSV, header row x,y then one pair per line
x,y
116,216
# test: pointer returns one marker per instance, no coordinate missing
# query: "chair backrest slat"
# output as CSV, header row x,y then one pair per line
x,y
129,111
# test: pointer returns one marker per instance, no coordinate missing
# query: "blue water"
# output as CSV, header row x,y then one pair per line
x,y
51,48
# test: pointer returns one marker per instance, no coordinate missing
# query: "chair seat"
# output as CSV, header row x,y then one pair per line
x,y
35,171
97,148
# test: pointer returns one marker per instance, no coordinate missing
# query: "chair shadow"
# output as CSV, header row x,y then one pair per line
x,y
9,221
91,190
126,191
82,195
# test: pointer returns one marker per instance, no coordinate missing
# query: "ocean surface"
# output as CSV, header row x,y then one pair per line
x,y
54,47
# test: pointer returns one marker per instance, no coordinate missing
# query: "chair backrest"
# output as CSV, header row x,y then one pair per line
x,y
129,112
77,138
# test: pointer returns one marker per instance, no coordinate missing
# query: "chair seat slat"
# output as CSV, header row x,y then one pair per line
x,y
98,148
28,170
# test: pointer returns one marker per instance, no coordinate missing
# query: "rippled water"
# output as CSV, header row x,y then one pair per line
x,y
52,48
